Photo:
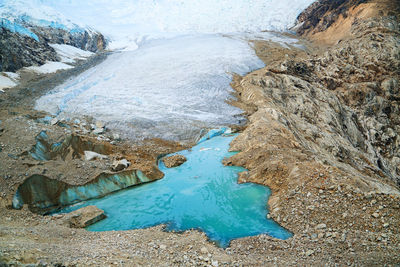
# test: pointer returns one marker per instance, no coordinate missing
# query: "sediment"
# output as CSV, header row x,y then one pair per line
x,y
322,133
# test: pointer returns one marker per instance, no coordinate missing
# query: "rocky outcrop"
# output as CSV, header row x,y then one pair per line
x,y
29,46
18,51
329,21
80,38
329,118
174,161
84,217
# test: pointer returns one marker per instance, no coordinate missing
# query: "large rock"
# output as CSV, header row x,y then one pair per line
x,y
119,165
174,161
84,217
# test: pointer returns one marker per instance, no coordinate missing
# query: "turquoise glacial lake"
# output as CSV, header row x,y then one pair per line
x,y
200,194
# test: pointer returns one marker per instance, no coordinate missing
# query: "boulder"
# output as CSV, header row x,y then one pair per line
x,y
119,165
174,161
84,217
90,155
98,131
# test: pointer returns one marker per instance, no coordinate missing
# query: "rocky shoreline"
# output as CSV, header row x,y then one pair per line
x,y
322,134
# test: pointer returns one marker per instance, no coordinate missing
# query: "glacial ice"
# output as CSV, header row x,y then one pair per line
x,y
168,88
172,77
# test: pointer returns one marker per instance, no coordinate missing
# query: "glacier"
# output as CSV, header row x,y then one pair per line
x,y
169,75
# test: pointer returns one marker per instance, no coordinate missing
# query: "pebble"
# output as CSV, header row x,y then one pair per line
x,y
204,250
321,226
309,252
163,247
98,131
375,215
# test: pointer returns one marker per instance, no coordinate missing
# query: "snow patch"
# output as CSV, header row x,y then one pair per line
x,y
70,53
6,82
12,75
50,67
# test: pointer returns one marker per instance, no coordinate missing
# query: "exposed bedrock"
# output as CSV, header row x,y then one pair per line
x,y
19,50
329,21
43,194
334,114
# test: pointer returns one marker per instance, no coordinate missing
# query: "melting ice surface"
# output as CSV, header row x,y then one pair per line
x,y
172,77
200,194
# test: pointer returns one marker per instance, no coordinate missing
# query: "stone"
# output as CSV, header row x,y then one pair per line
x,y
54,121
98,131
84,217
174,161
90,155
214,263
119,165
116,136
320,226
100,124
204,250
163,247
309,252
375,215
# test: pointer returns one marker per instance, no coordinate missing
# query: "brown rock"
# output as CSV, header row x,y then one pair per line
x,y
120,165
84,217
174,161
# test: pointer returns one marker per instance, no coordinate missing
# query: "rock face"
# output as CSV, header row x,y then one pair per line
x,y
84,217
329,21
174,161
19,50
336,111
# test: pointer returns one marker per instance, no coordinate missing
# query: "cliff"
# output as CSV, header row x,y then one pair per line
x,y
24,44
330,21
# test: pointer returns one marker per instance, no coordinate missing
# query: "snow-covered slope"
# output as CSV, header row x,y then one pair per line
x,y
34,12
127,23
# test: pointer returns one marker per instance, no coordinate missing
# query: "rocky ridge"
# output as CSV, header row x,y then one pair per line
x,y
20,50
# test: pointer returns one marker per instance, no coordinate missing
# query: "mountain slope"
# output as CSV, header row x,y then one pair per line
x,y
26,31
